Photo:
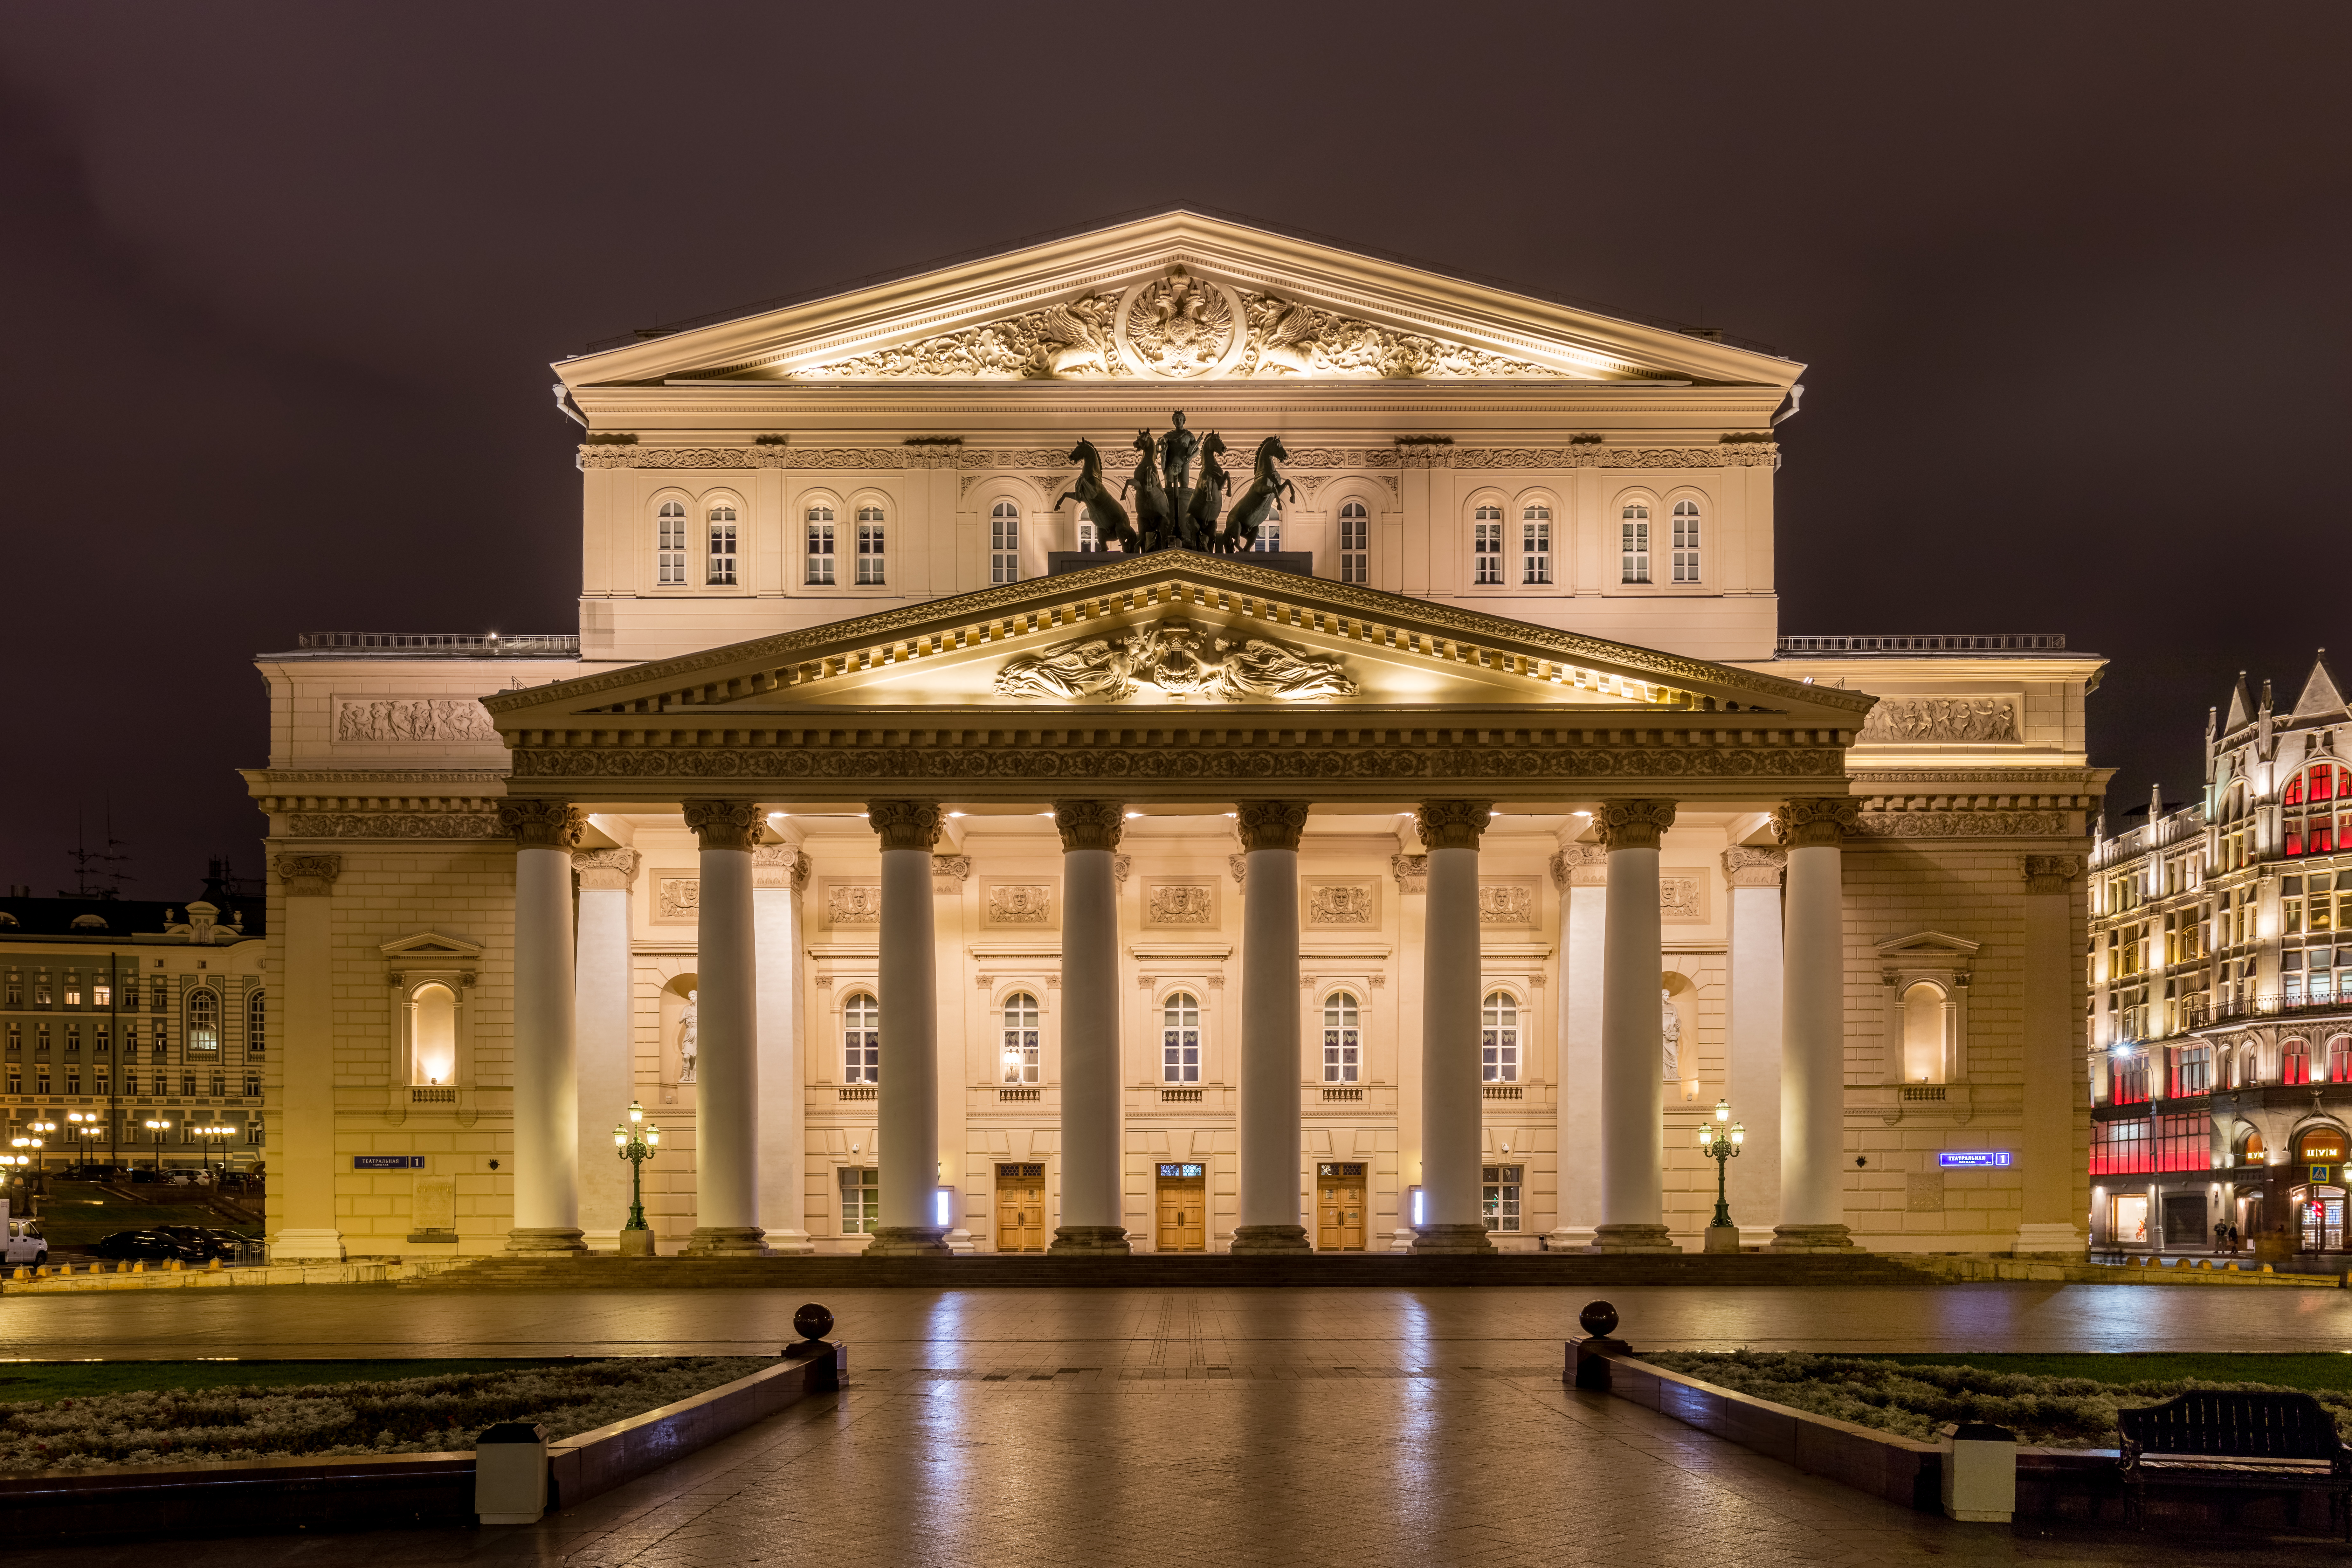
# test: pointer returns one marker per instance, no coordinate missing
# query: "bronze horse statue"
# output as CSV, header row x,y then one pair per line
x,y
1088,490
1256,504
1151,520
1199,528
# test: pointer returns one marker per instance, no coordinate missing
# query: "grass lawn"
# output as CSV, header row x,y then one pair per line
x,y
27,1380
2312,1371
77,1214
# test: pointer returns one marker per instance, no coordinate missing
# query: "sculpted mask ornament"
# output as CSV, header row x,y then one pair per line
x,y
1180,661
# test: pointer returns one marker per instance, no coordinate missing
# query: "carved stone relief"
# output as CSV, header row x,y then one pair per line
x,y
1180,660
853,904
677,898
1352,904
1682,895
1020,904
1287,337
1507,903
1928,720
411,718
979,460
1180,326
393,825
1180,903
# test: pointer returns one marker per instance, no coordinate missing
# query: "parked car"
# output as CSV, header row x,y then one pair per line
x,y
209,1242
24,1243
150,1245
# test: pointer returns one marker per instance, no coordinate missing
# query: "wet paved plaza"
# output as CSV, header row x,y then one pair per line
x,y
1360,1427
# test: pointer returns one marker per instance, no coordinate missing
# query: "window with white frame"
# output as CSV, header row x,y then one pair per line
x,y
1486,546
1534,545
1180,1039
671,522
1499,1196
1343,1040
861,1039
869,546
1020,1060
256,1024
861,1199
1685,542
1633,542
1355,549
1500,1046
203,1021
1090,533
820,544
1269,533
1004,542
722,547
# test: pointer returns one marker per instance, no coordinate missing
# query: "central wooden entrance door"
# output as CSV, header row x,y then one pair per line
x,y
1340,1205
1183,1208
1020,1208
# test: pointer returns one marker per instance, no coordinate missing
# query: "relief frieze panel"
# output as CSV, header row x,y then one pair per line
x,y
1930,721
1349,905
853,903
1180,903
1507,903
1017,904
677,898
1682,895
411,718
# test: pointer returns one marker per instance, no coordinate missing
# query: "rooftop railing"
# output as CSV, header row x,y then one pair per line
x,y
446,645
1972,642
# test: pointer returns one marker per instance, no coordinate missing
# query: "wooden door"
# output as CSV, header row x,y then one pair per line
x,y
1340,1205
1183,1208
1020,1208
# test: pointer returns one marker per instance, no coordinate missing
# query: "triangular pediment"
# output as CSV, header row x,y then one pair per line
x,y
2320,698
1178,297
1927,946
427,947
1174,631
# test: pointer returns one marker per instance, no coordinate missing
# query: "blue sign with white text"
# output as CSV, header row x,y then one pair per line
x,y
1973,1159
387,1161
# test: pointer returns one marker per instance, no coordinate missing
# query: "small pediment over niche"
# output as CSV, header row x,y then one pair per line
x,y
432,949
1928,950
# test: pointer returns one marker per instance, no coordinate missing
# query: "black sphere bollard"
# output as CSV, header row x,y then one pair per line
x,y
1598,1318
823,1373
813,1322
1588,1357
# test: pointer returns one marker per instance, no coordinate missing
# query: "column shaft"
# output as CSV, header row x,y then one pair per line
x,y
604,1022
2055,1171
1453,1100
907,1122
302,1134
727,1064
1632,1035
546,1085
778,873
1094,1216
1812,1043
1752,1036
1582,872
1271,1072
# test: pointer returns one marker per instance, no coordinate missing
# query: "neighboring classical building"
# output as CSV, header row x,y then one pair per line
x,y
122,1012
938,881
2220,1036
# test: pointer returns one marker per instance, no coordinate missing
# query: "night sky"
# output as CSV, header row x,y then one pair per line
x,y
284,282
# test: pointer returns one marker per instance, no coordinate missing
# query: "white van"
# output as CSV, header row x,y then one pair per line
x,y
24,1243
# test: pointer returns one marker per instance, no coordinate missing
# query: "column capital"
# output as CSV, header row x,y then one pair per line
x,y
605,867
1411,871
542,824
1581,865
2052,873
308,876
906,824
724,823
1817,824
949,872
780,865
1746,867
1090,824
1271,824
1452,824
1632,823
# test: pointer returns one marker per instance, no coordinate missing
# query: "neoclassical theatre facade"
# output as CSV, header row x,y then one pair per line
x,y
1375,810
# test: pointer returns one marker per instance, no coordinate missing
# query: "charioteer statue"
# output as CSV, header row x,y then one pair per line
x,y
1172,512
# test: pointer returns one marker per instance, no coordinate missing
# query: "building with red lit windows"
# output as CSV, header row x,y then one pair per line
x,y
2220,973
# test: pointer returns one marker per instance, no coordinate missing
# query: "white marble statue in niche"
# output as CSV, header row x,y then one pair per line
x,y
1671,1027
686,1041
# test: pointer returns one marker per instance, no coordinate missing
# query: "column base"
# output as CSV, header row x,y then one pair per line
x,y
908,1241
1452,1238
1812,1238
561,1241
2052,1241
1722,1238
1256,1239
1569,1238
307,1246
443,1238
1755,1236
791,1242
638,1243
726,1241
1090,1240
1632,1238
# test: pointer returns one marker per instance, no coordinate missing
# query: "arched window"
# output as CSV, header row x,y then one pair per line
x,y
432,1033
2249,1064
1923,1033
1180,1039
1343,1040
820,544
2339,1061
869,546
722,547
2295,1062
1486,546
1090,535
1633,542
1020,1060
2309,809
2251,1153
1534,545
1499,1047
257,1023
671,523
204,1021
1685,542
861,1039
1355,548
1004,542
1269,533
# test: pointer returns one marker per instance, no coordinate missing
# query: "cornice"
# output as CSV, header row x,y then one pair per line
x,y
486,781
1303,460
1967,824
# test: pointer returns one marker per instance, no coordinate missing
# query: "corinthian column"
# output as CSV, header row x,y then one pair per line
x,y
909,1102
2054,1177
604,1008
1633,1033
726,1063
1270,1064
1813,1029
1452,1101
1752,1035
1094,1217
779,873
302,1134
546,1087
1582,872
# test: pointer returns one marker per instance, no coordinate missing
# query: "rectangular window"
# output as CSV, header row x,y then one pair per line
x,y
2196,1074
861,1199
73,1078
253,1130
40,993
101,995
1633,552
15,1078
1685,542
820,553
73,992
1535,552
188,1085
1499,1196
722,549
1487,553
252,1086
1269,537
2128,1079
1354,547
2121,1148
157,998
869,547
1343,1054
673,545
16,992
1004,544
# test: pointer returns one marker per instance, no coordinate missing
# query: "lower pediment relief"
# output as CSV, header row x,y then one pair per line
x,y
1177,659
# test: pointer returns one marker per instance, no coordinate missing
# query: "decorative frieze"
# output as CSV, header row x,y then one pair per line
x,y
434,824
1960,823
677,898
1940,720
412,719
978,460
1179,660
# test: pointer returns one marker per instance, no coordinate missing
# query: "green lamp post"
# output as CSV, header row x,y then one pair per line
x,y
1719,1140
636,1141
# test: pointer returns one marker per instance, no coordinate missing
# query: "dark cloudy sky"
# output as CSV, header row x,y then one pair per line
x,y
283,283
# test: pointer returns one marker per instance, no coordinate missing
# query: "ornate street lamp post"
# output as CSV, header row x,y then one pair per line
x,y
219,1131
636,1141
40,1161
156,1129
1719,1140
